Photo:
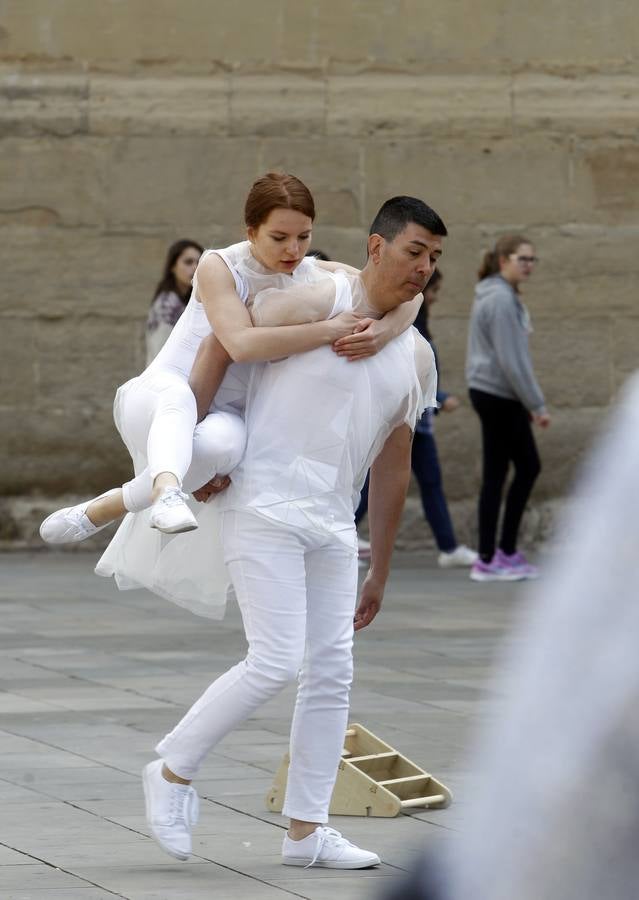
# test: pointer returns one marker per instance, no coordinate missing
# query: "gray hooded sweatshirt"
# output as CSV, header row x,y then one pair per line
x,y
498,361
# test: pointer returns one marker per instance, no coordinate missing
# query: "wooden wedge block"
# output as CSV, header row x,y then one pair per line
x,y
373,779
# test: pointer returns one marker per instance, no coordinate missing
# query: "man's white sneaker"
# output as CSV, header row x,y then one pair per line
x,y
170,513
71,524
171,809
327,848
459,557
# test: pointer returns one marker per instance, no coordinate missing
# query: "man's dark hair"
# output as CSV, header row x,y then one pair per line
x,y
398,212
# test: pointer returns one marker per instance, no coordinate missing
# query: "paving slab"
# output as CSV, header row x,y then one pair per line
x,y
91,678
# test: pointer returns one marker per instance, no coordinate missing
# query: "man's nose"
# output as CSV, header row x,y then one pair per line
x,y
426,267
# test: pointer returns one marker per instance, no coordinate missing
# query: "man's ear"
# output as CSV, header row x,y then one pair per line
x,y
375,244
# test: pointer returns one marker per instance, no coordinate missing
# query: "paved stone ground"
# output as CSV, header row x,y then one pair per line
x,y
90,678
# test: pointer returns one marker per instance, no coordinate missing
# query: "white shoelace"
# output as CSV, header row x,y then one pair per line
x,y
172,496
185,806
327,836
81,521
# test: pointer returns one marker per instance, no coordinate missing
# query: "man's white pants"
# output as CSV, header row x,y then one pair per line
x,y
297,594
156,416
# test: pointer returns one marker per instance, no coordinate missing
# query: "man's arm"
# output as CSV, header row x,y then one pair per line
x,y
390,474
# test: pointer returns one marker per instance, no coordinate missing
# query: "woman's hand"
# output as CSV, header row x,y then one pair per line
x,y
367,338
342,325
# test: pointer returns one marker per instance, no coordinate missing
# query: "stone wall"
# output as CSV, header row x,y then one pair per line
x,y
125,124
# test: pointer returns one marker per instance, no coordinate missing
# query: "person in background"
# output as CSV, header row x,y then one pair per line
x,y
318,254
425,461
171,294
506,396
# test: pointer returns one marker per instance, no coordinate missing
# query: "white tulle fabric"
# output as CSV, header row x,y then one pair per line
x,y
557,814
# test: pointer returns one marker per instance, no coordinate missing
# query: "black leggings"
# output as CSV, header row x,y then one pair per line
x,y
506,437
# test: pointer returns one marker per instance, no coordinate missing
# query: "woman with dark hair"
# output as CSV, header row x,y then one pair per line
x,y
171,294
506,396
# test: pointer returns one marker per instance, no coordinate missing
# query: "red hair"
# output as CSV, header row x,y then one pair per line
x,y
276,190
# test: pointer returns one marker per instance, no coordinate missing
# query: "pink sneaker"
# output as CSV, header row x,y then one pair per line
x,y
517,562
494,571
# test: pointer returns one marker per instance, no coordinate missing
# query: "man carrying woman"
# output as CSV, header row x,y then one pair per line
x,y
290,542
287,520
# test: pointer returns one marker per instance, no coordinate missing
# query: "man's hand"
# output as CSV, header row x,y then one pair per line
x,y
450,404
366,340
370,602
217,484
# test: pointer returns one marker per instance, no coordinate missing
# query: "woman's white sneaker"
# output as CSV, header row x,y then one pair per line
x,y
459,557
170,513
71,524
326,848
171,810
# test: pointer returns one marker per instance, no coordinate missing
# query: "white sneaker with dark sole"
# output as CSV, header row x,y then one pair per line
x,y
171,810
71,524
327,849
170,514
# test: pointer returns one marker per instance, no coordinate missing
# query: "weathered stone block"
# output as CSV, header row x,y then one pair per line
x,y
625,344
609,180
158,106
568,35
498,37
585,269
277,105
59,272
573,362
19,364
593,105
390,105
33,103
185,183
562,448
142,30
504,180
103,357
60,450
61,180
330,168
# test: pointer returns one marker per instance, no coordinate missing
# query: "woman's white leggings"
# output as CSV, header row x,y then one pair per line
x,y
297,594
156,416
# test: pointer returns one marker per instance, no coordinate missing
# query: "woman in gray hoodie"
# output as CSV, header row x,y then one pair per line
x,y
506,396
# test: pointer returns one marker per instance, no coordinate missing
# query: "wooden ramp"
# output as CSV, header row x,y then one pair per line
x,y
373,779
